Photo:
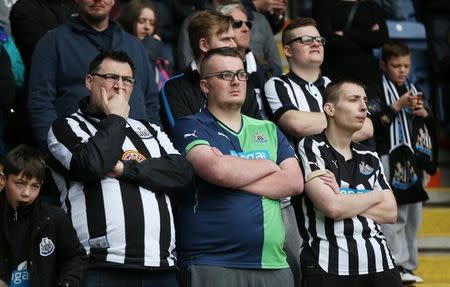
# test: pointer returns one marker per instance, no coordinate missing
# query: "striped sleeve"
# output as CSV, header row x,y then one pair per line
x,y
312,162
278,96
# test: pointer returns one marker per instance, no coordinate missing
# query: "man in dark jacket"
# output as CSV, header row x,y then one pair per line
x,y
61,59
38,244
181,95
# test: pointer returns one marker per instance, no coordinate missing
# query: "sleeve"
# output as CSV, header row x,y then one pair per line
x,y
250,107
42,88
381,182
86,157
277,95
174,103
271,54
169,173
285,150
313,164
151,93
184,51
7,84
71,255
189,133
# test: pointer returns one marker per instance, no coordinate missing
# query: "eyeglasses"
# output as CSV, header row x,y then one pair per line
x,y
113,79
238,24
229,76
308,40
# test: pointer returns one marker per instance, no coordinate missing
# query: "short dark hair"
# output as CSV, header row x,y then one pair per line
x,y
118,56
331,94
224,51
394,49
25,160
287,35
203,25
130,14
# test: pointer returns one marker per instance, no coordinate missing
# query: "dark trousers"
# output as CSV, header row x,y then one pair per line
x,y
128,277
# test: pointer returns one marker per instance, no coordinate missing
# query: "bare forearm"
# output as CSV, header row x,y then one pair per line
x,y
235,172
349,205
301,124
384,212
277,185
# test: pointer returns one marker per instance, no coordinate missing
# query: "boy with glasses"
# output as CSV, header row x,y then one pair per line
x,y
229,228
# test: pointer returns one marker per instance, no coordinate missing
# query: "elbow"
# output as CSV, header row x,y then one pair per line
x,y
334,211
392,215
296,187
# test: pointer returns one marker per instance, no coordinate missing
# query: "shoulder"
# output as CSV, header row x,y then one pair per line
x,y
53,213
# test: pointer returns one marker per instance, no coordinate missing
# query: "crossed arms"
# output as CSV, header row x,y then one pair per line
x,y
378,205
258,176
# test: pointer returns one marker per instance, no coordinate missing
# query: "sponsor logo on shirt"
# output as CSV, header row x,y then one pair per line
x,y
259,137
21,276
133,155
46,247
257,154
365,168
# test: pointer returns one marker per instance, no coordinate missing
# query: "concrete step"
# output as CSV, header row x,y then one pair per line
x,y
438,196
434,268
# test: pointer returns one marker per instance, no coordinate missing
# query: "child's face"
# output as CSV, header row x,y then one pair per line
x,y
20,190
145,25
397,69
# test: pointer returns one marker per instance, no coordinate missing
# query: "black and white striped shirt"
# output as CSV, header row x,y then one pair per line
x,y
350,246
290,92
116,219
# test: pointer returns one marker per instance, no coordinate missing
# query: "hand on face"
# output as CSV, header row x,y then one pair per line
x,y
117,103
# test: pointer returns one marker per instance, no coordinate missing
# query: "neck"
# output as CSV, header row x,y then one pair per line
x,y
340,140
242,52
231,117
307,74
98,25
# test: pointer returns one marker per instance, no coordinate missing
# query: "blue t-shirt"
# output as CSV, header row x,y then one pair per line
x,y
225,227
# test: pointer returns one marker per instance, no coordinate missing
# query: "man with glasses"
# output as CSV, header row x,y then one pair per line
x,y
61,59
229,228
295,98
114,174
181,95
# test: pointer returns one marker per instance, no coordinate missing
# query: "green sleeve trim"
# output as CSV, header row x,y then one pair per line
x,y
195,143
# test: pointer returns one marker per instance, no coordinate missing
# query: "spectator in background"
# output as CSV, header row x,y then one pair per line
x,y
262,41
17,66
8,90
259,70
352,29
62,57
30,20
140,18
181,95
405,147
5,7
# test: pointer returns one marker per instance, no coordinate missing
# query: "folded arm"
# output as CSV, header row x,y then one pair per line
x,y
384,212
300,124
226,170
286,182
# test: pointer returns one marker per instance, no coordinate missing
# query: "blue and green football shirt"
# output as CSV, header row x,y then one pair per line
x,y
226,227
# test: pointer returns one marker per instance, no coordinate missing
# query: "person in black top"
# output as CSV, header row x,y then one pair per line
x,y
346,199
38,245
181,95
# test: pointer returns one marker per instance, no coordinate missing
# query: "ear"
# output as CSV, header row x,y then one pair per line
x,y
203,45
204,87
88,81
328,108
2,181
287,51
382,66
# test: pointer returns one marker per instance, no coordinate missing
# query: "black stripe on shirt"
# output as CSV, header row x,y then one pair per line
x,y
165,232
95,214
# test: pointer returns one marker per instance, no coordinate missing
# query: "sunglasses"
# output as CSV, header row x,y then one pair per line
x,y
238,24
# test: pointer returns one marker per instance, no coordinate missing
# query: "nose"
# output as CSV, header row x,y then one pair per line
x,y
26,192
119,84
363,105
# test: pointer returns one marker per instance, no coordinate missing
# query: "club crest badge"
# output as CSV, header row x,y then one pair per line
x,y
365,168
143,133
46,247
260,138
133,155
